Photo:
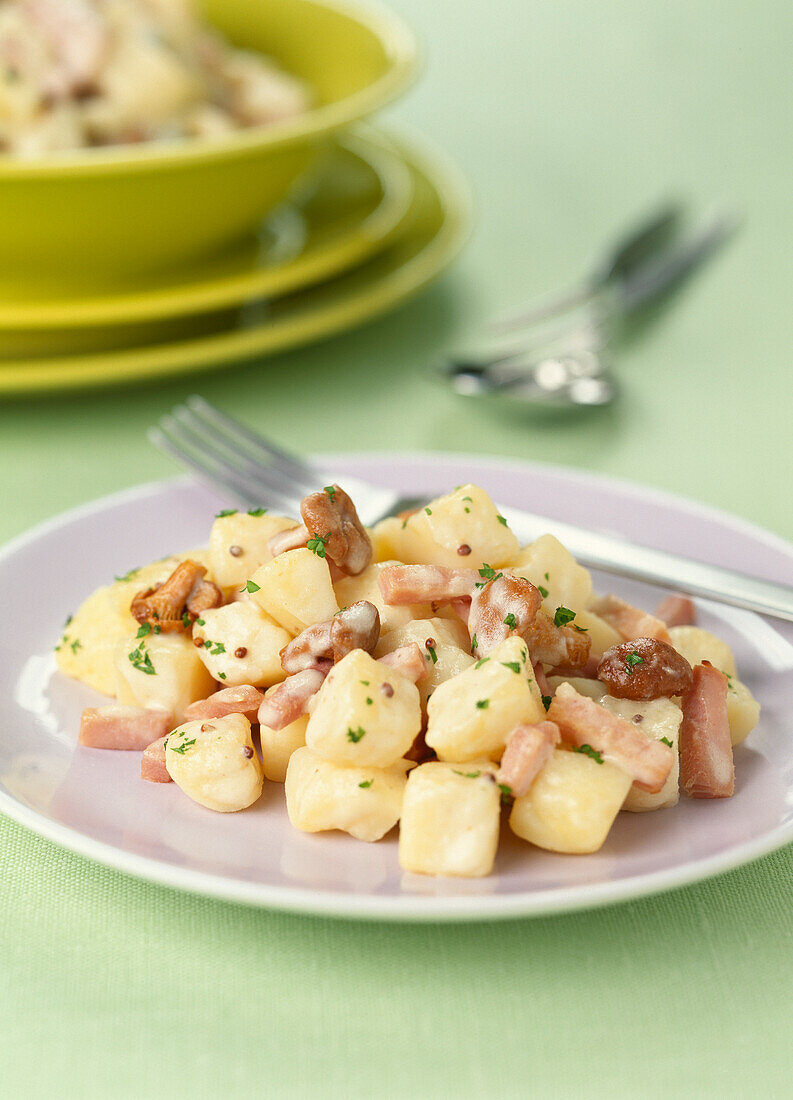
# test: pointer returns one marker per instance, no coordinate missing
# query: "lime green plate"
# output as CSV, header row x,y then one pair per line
x,y
347,210
431,235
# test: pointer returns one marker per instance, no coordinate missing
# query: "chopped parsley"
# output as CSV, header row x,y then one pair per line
x,y
543,591
473,643
143,630
666,741
364,682
506,791
482,704
368,701
487,571
432,654
317,544
405,522
219,648
226,512
250,586
331,491
513,666
75,645
355,735
501,520
511,621
185,620
70,617
631,661
468,499
481,661
182,749
141,660
467,775
200,622
256,512
128,576
366,783
428,511
587,750
563,616
221,675
546,700
467,511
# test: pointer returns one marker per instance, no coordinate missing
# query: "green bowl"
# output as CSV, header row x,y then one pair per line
x,y
100,216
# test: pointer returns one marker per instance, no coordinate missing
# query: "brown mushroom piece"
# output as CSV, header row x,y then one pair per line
x,y
644,668
506,605
354,627
331,517
184,593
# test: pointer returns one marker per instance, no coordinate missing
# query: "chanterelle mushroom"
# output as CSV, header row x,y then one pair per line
x,y
178,601
354,627
331,518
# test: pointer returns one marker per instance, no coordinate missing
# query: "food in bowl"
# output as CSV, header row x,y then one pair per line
x,y
79,73
429,672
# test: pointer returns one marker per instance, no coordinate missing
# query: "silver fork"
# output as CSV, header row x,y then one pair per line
x,y
252,471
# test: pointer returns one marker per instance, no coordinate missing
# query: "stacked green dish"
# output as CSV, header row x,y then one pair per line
x,y
138,261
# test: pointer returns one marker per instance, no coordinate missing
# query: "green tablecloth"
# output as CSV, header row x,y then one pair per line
x,y
568,118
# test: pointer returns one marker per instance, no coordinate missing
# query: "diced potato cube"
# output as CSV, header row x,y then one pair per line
x,y
471,715
363,801
552,568
660,719
743,710
592,689
358,720
602,634
242,645
450,820
698,645
238,545
571,805
385,538
214,762
86,650
295,589
466,517
365,586
161,670
278,746
444,657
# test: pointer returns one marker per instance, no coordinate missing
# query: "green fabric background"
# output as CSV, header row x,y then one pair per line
x,y
568,117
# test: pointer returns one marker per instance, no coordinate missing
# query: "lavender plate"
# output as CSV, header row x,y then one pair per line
x,y
94,802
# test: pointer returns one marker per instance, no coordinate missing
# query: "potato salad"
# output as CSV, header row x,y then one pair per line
x,y
78,73
429,673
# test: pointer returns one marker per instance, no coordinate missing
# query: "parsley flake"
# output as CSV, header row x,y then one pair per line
x,y
368,701
501,520
511,621
75,645
546,700
355,735
256,512
631,661
200,622
473,643
543,591
250,586
468,499
593,754
666,741
185,745
331,491
128,576
141,660
221,675
481,661
186,620
466,775
432,654
487,571
563,616
513,666
317,544
428,511
366,783
482,704
143,630
226,512
506,791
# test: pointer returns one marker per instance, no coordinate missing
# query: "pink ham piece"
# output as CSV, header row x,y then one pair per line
x,y
506,605
677,610
152,763
286,702
706,764
406,584
118,727
630,622
528,750
582,721
242,699
407,660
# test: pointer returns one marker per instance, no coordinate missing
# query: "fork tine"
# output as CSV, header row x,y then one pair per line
x,y
276,458
226,452
200,457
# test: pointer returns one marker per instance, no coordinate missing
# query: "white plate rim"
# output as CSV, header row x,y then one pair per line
x,y
408,908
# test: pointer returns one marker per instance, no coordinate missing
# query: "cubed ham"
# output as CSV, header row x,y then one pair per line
x,y
152,763
406,584
243,699
563,647
630,622
288,701
529,748
706,763
407,659
121,727
582,721
677,610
